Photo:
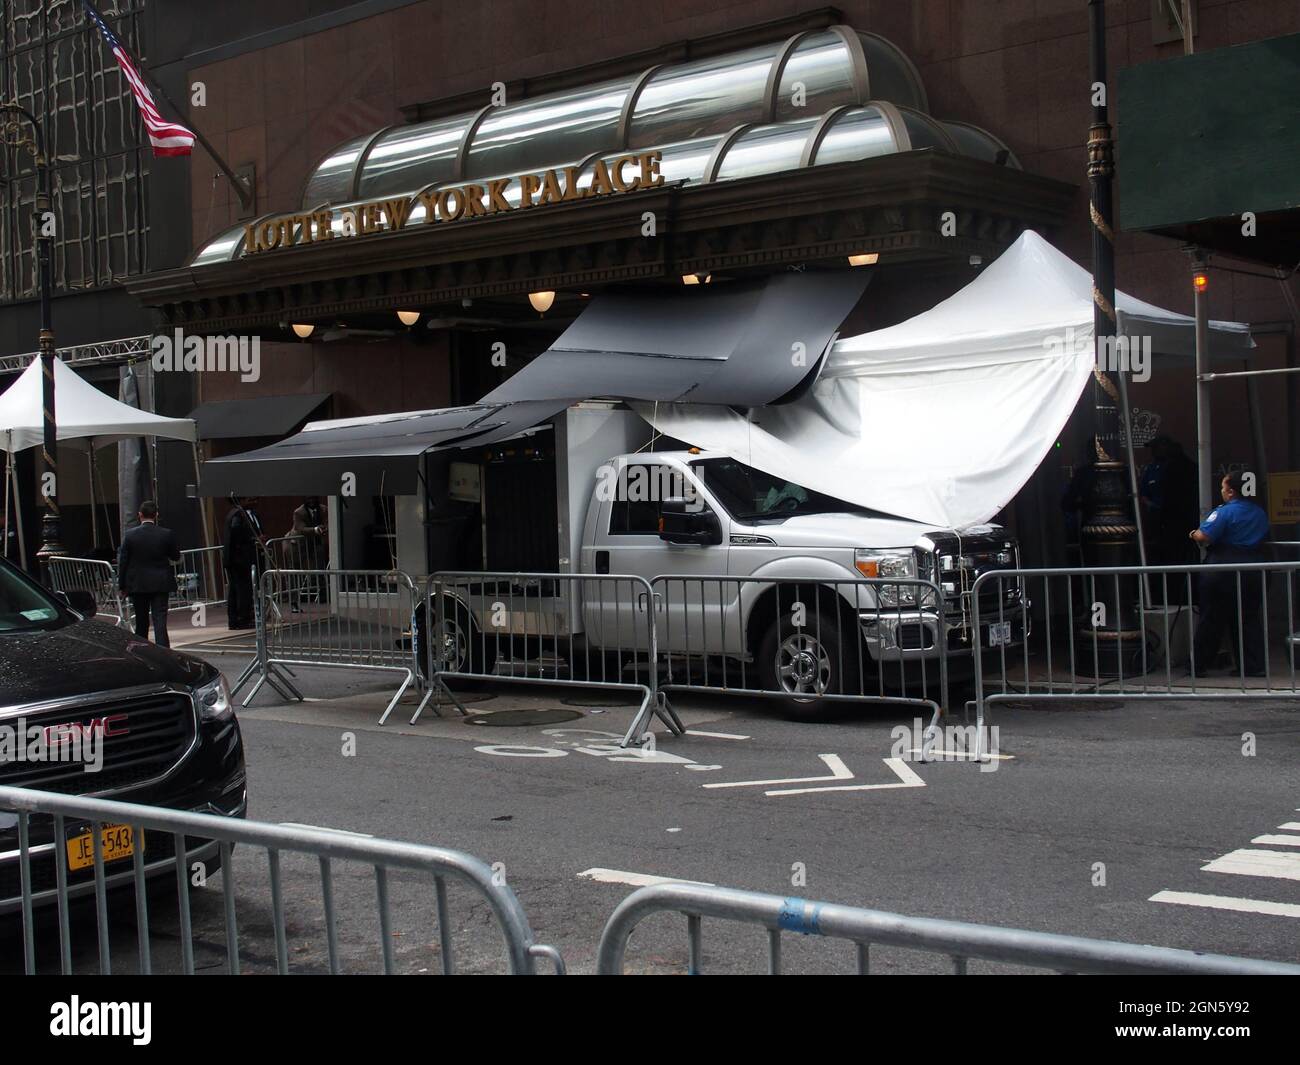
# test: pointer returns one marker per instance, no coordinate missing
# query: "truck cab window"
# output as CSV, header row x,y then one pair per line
x,y
753,496
641,487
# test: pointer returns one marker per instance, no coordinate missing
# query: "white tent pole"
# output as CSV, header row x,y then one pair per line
x,y
103,502
94,516
18,512
1133,485
9,460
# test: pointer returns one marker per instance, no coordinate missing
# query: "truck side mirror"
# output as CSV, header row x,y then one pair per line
x,y
688,521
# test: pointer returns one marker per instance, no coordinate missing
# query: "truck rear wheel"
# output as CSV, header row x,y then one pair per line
x,y
462,648
804,662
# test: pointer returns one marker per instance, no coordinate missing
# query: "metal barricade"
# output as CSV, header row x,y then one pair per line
x,y
586,630
186,847
1129,632
91,575
200,578
365,620
810,641
959,940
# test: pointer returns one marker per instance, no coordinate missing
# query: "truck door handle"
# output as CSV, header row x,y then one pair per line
x,y
602,561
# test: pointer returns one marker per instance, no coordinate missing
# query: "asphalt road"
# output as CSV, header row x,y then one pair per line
x,y
1091,811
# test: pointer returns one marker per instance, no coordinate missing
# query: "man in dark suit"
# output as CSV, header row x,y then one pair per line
x,y
144,572
239,555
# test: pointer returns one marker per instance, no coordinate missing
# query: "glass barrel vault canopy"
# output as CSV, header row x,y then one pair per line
x,y
806,75
820,97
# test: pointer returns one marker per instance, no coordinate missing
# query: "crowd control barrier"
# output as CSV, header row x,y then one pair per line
x,y
97,577
200,578
365,619
1130,632
808,641
959,940
595,631
184,847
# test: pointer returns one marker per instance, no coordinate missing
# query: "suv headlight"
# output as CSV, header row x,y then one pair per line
x,y
214,700
887,565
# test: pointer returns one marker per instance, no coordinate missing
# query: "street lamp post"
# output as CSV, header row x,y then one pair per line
x,y
1108,637
34,142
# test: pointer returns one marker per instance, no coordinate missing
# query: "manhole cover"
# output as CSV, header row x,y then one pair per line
x,y
602,700
518,718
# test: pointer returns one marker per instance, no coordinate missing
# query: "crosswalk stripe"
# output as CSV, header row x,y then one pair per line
x,y
1280,864
1277,841
1226,902
1290,826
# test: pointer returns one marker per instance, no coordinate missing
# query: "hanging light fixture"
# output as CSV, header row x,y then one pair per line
x,y
696,279
303,329
865,258
408,317
541,301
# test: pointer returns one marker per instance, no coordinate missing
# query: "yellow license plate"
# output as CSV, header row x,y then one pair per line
x,y
116,841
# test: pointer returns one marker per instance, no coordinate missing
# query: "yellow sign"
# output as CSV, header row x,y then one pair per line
x,y
626,173
1284,498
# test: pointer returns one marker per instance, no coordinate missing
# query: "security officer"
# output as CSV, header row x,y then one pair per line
x,y
144,572
1234,532
239,556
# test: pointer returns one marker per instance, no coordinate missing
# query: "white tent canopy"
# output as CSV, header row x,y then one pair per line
x,y
944,417
82,412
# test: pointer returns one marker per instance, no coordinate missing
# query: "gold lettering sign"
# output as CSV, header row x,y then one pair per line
x,y
626,173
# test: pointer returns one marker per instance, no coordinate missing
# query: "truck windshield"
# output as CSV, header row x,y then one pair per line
x,y
751,495
23,606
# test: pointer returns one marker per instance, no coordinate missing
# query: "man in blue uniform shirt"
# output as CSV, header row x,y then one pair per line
x,y
1234,532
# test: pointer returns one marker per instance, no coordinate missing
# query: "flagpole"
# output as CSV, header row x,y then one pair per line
x,y
241,187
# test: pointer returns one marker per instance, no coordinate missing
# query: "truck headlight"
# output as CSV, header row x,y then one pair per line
x,y
214,700
889,565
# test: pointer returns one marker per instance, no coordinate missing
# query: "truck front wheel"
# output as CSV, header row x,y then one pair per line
x,y
803,662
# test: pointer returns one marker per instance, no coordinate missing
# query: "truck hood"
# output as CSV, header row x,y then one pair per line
x,y
840,530
84,658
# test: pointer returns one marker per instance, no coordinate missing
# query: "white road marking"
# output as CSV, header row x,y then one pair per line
x,y
618,876
1290,826
1277,841
1277,864
957,756
1227,902
717,735
839,771
907,779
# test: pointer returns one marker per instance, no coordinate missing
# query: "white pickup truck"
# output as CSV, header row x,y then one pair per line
x,y
736,552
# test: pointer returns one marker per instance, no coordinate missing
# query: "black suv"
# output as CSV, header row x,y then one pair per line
x,y
163,727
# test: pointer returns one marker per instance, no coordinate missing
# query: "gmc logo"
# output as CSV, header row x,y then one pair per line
x,y
63,733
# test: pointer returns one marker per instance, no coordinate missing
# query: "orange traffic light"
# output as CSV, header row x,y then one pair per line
x,y
1200,281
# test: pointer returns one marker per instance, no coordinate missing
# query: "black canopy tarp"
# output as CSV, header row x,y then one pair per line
x,y
740,343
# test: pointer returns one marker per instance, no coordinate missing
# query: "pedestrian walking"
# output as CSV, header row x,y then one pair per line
x,y
145,574
239,547
1233,532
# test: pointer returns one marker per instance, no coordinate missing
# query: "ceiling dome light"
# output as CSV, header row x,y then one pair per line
x,y
865,258
541,301
303,329
408,317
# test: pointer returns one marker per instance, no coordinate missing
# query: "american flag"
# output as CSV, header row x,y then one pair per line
x,y
167,138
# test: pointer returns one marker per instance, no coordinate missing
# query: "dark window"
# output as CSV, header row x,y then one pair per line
x,y
635,511
57,65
